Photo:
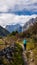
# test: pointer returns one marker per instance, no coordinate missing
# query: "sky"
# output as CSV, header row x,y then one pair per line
x,y
17,11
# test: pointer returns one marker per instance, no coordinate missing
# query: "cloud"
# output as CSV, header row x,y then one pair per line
x,y
9,19
25,9
18,5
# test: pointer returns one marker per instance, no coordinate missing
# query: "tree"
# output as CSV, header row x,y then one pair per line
x,y
14,33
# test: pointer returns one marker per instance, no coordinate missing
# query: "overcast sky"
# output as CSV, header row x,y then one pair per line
x,y
17,11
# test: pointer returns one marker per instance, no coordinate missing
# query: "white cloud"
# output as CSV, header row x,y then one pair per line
x,y
6,19
14,5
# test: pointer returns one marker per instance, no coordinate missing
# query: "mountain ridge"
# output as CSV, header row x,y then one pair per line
x,y
19,28
12,28
3,31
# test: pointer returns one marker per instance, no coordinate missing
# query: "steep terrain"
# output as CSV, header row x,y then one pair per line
x,y
29,23
11,50
11,55
3,32
19,28
12,28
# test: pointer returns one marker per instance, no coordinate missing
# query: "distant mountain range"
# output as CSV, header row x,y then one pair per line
x,y
3,32
19,28
12,28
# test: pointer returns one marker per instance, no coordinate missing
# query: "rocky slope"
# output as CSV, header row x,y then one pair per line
x,y
3,32
29,23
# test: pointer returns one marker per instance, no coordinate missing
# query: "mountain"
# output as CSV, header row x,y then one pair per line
x,y
12,28
20,28
29,23
31,31
3,32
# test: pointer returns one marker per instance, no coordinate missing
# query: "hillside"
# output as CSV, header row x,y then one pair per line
x,y
29,23
11,55
32,30
11,50
3,32
20,28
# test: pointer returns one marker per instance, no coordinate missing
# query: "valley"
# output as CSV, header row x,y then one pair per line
x,y
12,49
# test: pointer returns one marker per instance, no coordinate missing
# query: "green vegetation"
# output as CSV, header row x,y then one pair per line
x,y
16,57
15,37
30,46
14,33
1,41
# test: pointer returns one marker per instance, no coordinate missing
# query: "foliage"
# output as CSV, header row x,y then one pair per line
x,y
0,37
14,33
16,57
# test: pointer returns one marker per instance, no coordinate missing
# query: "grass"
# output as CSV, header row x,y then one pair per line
x,y
2,46
16,57
30,46
1,41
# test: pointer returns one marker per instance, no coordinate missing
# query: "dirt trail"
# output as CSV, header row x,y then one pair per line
x,y
25,57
